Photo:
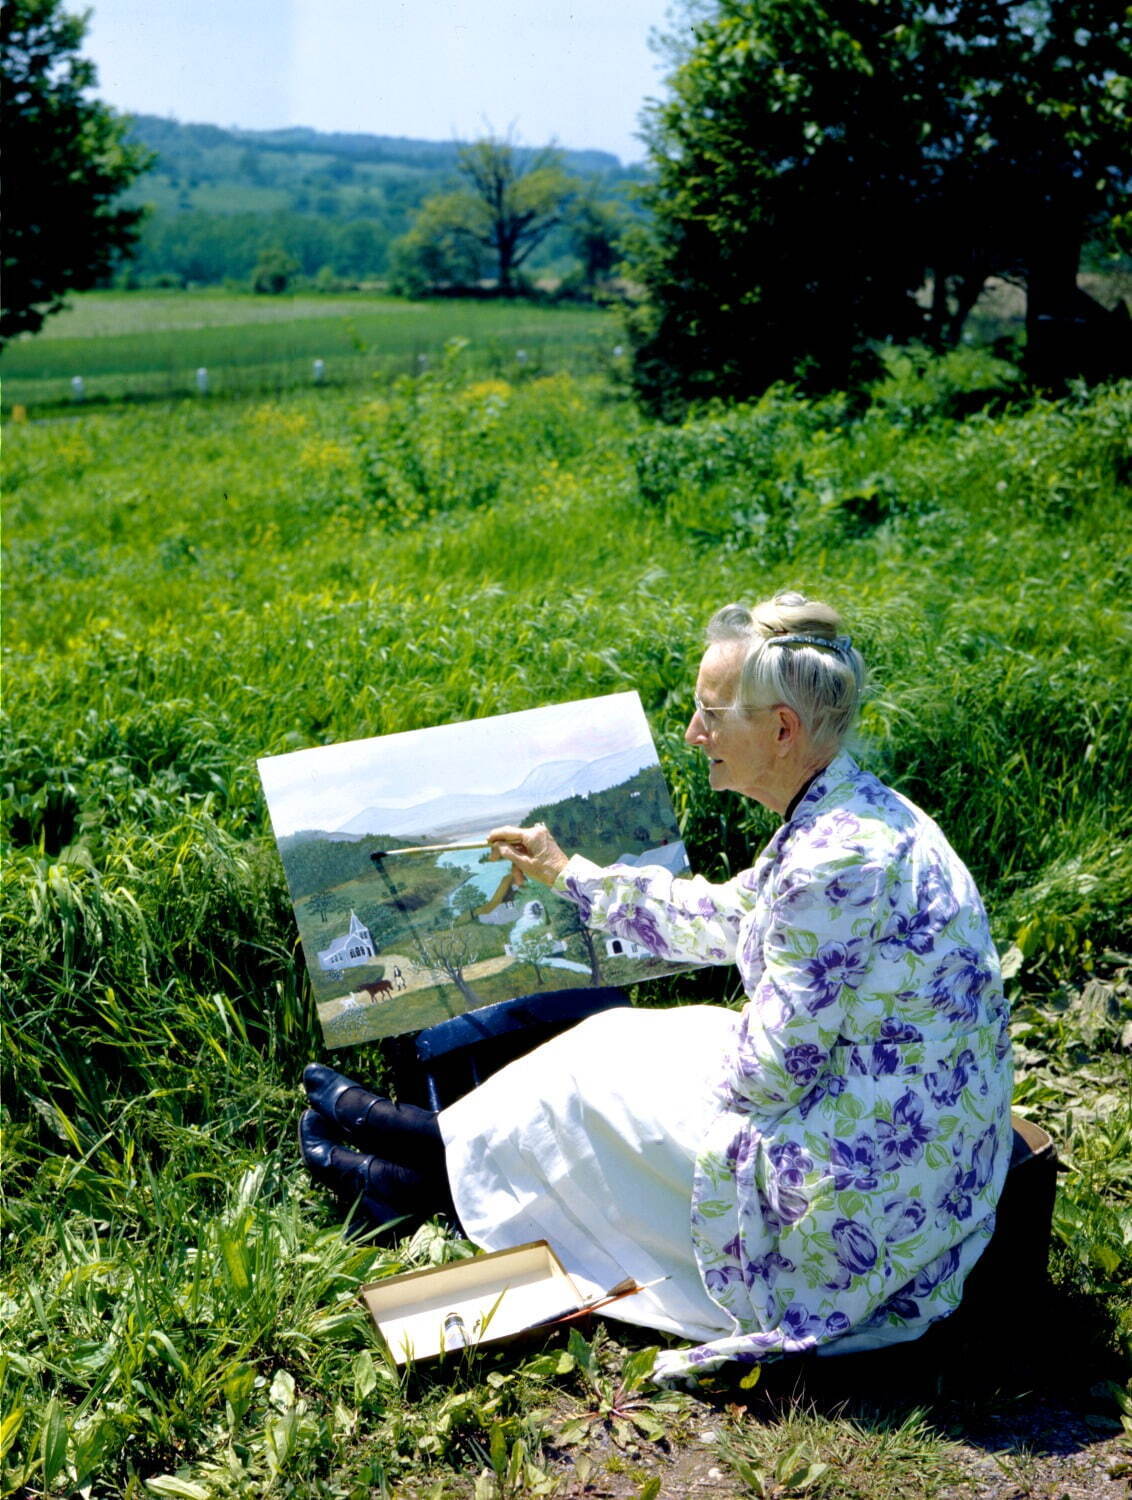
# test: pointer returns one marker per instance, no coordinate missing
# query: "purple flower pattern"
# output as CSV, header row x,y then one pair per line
x,y
854,1164
854,1246
904,1216
836,964
946,1083
902,1139
957,985
826,1204
804,1061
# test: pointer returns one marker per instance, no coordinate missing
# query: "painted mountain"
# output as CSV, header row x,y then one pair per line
x,y
450,816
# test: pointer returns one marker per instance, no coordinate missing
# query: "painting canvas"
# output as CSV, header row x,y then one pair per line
x,y
406,916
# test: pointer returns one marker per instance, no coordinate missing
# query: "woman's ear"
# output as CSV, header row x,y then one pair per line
x,y
789,728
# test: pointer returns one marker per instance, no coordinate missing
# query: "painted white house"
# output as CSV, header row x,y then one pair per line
x,y
354,947
623,947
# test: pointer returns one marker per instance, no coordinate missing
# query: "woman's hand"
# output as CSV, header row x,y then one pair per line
x,y
531,850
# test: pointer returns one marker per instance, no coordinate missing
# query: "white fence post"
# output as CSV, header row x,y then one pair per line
x,y
78,389
202,381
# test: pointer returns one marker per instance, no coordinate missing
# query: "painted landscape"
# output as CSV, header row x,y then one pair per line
x,y
406,916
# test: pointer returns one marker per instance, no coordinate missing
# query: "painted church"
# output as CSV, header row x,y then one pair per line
x,y
354,947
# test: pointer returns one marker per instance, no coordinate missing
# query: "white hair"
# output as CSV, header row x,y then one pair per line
x,y
795,654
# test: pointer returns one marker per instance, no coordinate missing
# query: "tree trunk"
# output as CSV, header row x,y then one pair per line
x,y
967,293
590,946
469,994
1055,335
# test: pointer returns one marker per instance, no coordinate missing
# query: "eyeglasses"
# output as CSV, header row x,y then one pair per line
x,y
711,714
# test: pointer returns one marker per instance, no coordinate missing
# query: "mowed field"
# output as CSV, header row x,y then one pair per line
x,y
194,584
142,345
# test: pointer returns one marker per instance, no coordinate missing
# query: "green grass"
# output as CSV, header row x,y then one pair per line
x,y
192,585
143,345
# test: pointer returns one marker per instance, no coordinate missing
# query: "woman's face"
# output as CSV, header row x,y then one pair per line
x,y
740,747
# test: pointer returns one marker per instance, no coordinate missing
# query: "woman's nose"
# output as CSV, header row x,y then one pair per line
x,y
695,734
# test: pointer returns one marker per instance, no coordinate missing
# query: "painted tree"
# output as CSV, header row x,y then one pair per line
x,y
817,162
534,948
567,923
383,924
467,897
448,954
326,904
66,160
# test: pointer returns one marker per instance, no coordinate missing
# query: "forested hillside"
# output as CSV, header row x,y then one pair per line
x,y
332,203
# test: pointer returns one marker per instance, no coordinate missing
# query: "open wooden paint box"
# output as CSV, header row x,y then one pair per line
x,y
488,1299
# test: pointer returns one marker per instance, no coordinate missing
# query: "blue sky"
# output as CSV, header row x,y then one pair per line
x,y
325,786
575,72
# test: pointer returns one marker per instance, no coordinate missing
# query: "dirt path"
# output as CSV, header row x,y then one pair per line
x,y
1039,1449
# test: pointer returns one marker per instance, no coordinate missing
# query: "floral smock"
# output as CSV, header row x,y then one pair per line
x,y
862,1131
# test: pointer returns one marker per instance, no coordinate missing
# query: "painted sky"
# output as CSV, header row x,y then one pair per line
x,y
572,71
325,787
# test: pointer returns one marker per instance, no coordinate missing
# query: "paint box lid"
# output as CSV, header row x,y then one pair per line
x,y
488,1299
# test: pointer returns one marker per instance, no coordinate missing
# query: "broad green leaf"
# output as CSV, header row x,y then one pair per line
x,y
365,1375
498,1448
648,1424
178,1489
9,1428
234,1250
53,1442
282,1393
638,1367
582,1353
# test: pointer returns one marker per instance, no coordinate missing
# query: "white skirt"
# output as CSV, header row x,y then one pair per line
x,y
589,1143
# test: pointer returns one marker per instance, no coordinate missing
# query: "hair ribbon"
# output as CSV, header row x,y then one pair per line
x,y
839,643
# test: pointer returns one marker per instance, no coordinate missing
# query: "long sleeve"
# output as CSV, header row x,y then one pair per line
x,y
802,971
671,916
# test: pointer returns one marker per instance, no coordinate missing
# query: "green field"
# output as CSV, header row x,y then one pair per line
x,y
142,345
192,585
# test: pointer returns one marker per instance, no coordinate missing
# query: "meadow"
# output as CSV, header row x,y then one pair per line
x,y
192,585
141,346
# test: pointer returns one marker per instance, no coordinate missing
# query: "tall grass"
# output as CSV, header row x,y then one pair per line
x,y
192,586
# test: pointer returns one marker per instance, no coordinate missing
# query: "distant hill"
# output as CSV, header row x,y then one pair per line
x,y
333,202
467,814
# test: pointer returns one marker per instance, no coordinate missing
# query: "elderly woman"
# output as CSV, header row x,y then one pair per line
x,y
821,1169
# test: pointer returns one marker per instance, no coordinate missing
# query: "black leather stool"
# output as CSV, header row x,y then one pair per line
x,y
1013,1269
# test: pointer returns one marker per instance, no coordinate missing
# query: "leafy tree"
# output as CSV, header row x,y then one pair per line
x,y
273,272
596,227
66,161
438,251
507,204
817,162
